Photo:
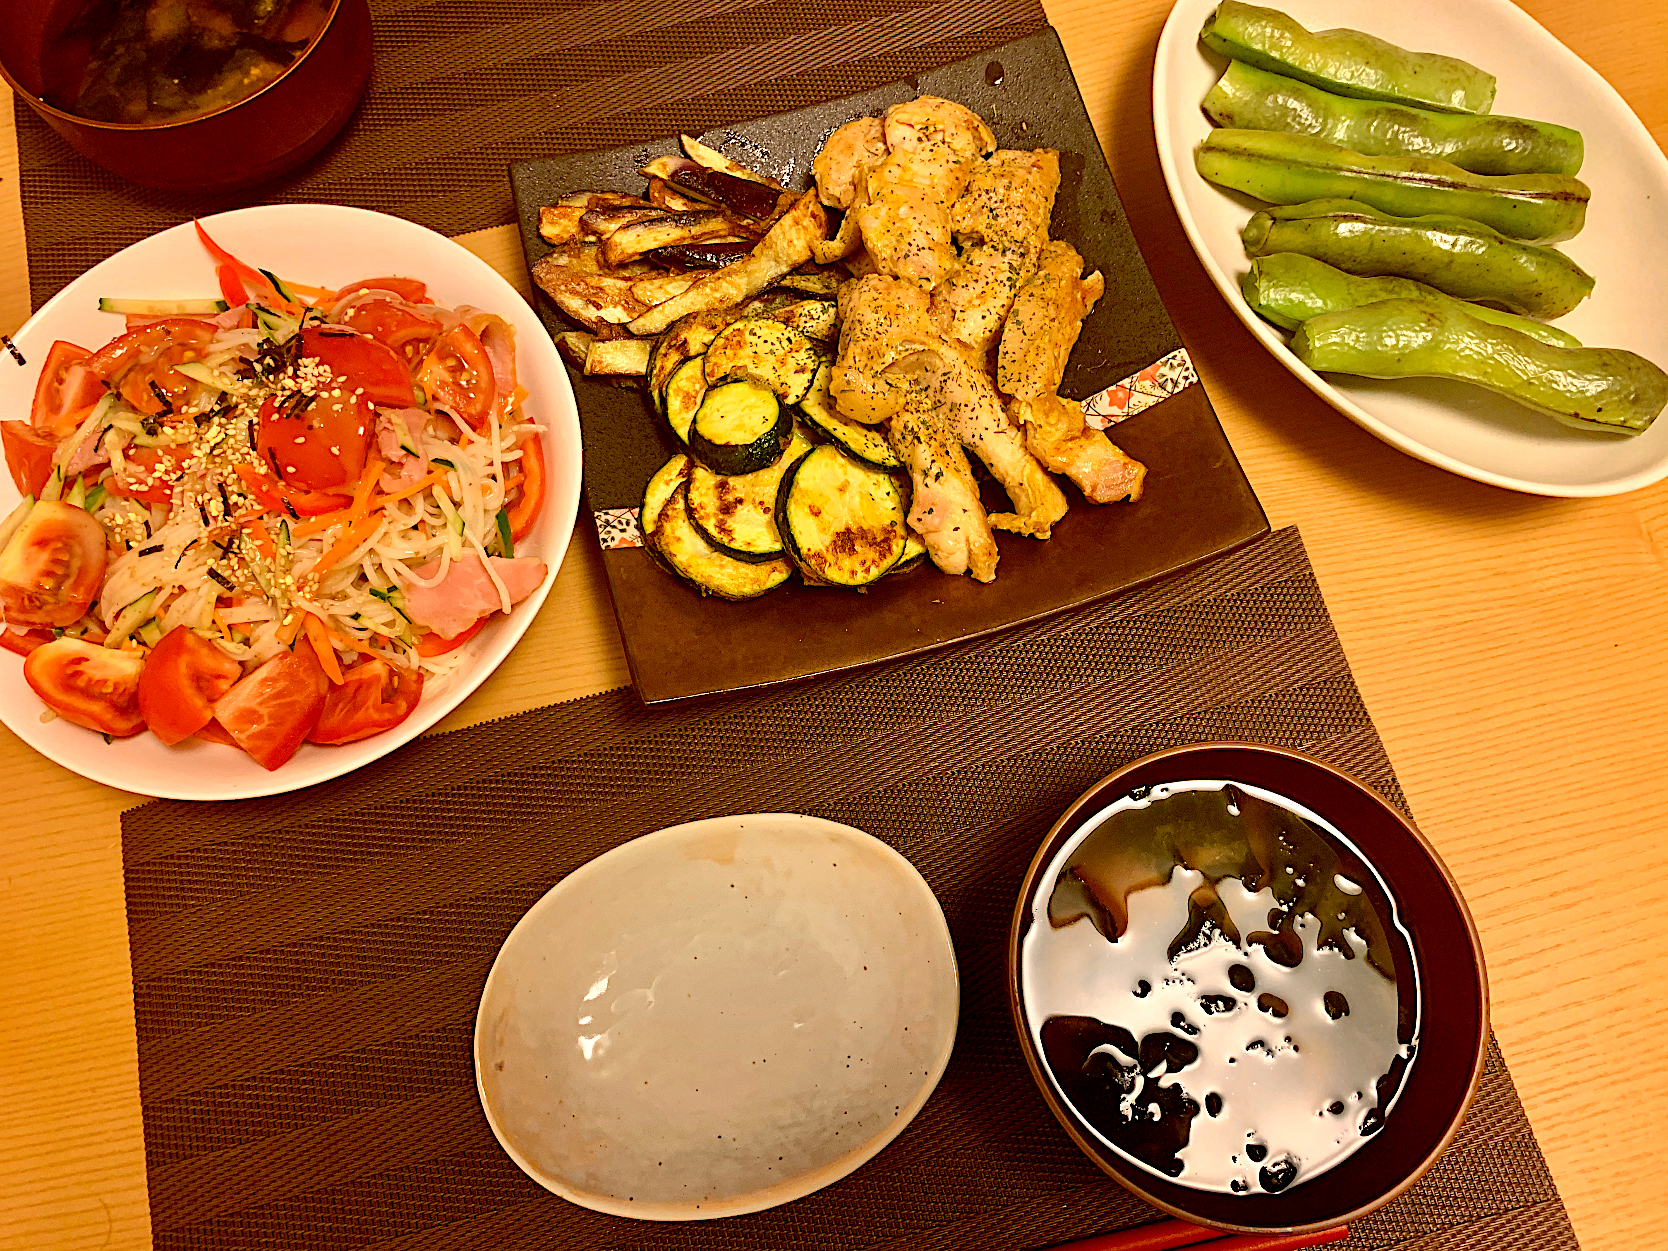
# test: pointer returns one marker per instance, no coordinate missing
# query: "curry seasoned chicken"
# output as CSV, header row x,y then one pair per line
x,y
959,296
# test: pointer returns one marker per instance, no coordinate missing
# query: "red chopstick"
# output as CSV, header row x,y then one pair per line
x,y
1163,1235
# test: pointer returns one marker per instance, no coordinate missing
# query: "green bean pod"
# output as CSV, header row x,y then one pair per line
x,y
1247,98
1458,257
1591,388
1289,288
1290,169
1346,61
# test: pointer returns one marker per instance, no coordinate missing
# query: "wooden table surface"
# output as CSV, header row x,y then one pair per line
x,y
1510,648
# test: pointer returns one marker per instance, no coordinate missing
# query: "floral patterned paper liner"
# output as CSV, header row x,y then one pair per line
x,y
617,528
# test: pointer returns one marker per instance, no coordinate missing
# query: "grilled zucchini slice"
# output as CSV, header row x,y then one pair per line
x,y
765,351
740,427
684,393
842,522
709,570
686,337
815,319
868,444
667,479
737,513
914,552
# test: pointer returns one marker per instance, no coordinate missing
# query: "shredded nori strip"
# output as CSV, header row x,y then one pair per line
x,y
203,513
152,550
221,579
225,500
337,332
253,446
183,551
162,398
290,509
295,403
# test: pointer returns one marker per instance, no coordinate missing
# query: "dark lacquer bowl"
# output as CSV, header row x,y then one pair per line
x,y
1452,982
238,145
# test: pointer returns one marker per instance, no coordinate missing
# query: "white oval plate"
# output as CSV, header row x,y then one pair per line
x,y
717,1017
320,245
1462,428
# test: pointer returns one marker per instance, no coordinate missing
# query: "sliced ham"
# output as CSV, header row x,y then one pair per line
x,y
404,469
467,593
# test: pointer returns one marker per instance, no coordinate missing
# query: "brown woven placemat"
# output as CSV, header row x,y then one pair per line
x,y
307,967
463,87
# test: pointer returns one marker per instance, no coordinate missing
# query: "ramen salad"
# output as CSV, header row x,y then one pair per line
x,y
268,518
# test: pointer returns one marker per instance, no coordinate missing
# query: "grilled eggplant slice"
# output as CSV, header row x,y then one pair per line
x,y
784,249
815,319
620,357
714,255
765,351
740,195
710,571
684,393
867,444
688,337
823,284
736,513
841,522
663,195
603,222
662,287
740,427
634,239
574,346
590,299
559,223
698,152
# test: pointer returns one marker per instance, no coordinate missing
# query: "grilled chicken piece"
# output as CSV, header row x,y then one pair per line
x,y
1048,312
944,508
1058,436
906,222
846,157
973,302
1009,198
881,318
787,245
959,395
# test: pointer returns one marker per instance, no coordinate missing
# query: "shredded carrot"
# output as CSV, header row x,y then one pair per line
x,y
434,479
321,294
290,628
225,630
356,534
319,636
317,525
263,540
221,528
367,484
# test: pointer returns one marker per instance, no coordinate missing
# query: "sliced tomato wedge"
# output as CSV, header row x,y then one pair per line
x,y
457,374
214,732
272,710
52,568
184,675
139,365
374,696
319,447
434,645
367,365
394,327
408,289
28,455
525,511
276,497
150,475
97,687
22,642
67,390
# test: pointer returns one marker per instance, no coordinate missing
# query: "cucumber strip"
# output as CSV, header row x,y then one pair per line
x,y
278,328
842,522
162,308
131,618
77,497
506,540
150,634
284,293
209,376
54,488
95,497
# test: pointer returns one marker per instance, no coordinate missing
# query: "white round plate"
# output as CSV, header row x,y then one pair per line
x,y
1462,428
319,245
717,1018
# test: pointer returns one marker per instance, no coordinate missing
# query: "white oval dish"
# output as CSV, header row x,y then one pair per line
x,y
317,244
717,1018
1464,429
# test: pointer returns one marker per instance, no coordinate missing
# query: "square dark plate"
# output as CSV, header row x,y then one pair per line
x,y
1197,502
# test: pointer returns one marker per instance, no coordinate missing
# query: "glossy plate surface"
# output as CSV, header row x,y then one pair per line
x,y
1457,427
318,245
717,1017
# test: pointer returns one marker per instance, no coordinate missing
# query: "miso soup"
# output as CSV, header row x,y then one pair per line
x,y
146,61
1220,987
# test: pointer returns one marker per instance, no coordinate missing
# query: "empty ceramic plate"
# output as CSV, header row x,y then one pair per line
x,y
717,1017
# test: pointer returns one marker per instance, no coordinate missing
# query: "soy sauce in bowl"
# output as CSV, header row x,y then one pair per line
x,y
140,62
1220,986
